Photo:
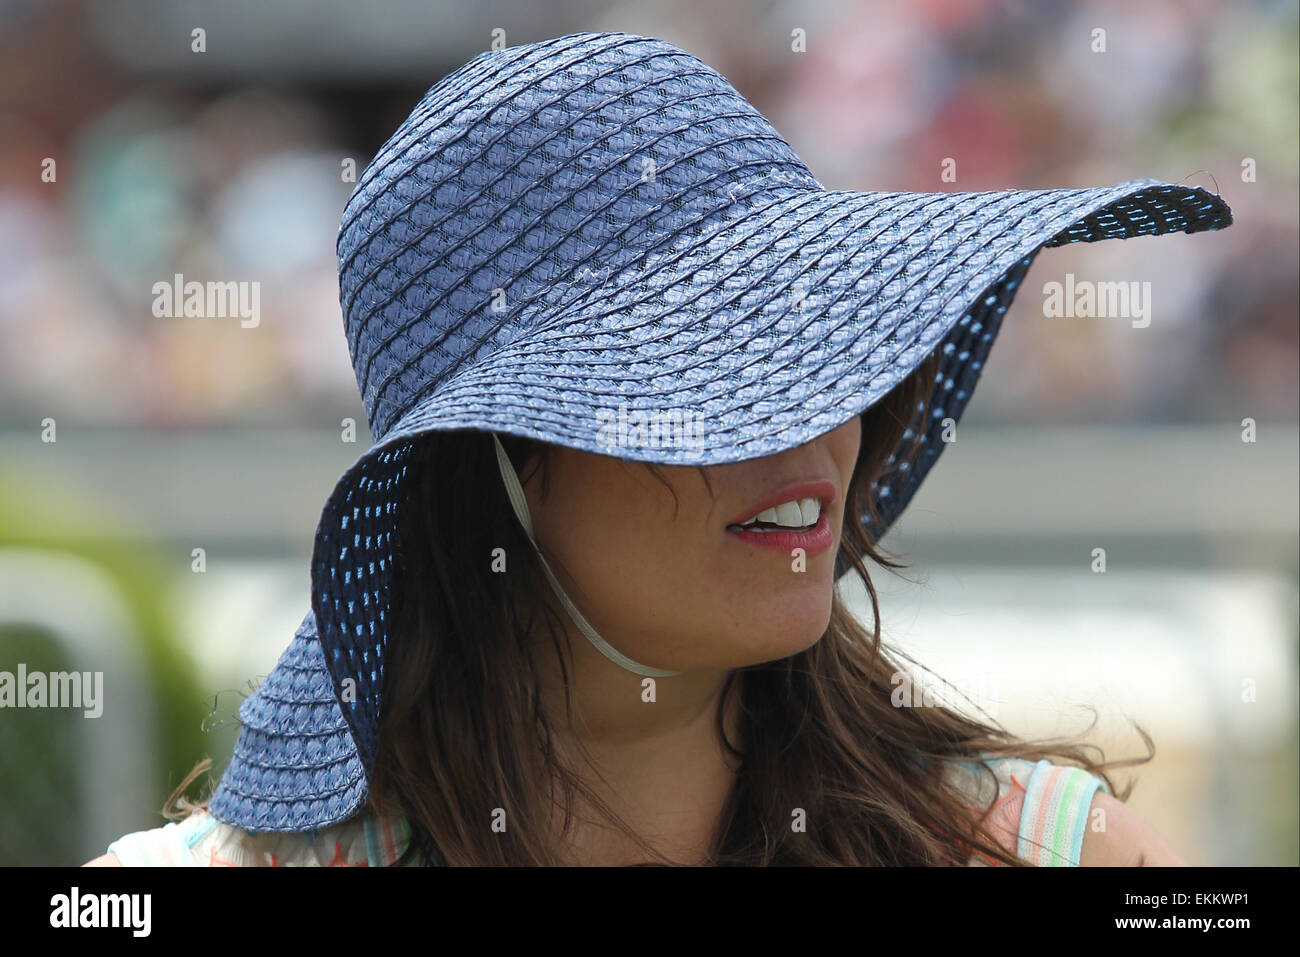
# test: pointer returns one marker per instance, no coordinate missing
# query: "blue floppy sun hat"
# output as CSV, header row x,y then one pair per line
x,y
599,227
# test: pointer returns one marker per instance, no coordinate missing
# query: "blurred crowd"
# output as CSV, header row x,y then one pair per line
x,y
128,157
120,169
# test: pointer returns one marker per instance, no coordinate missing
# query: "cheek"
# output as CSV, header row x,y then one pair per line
x,y
615,532
845,443
664,583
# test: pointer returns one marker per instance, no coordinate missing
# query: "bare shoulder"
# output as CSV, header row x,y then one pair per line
x,y
1124,838
106,860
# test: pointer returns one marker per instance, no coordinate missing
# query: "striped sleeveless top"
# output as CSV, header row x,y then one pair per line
x,y
1039,811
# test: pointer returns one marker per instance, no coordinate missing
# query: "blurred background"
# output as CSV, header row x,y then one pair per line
x,y
163,536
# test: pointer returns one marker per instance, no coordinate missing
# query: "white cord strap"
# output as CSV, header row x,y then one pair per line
x,y
520,504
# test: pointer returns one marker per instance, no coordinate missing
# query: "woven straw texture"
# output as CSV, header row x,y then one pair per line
x,y
601,221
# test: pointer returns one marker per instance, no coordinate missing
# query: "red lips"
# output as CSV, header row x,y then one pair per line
x,y
820,489
816,539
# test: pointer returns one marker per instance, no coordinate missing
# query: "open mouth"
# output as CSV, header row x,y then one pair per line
x,y
796,515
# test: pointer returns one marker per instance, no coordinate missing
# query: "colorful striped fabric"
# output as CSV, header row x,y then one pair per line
x,y
1039,809
202,841
1055,815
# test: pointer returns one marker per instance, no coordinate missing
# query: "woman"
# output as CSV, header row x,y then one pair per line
x,y
642,389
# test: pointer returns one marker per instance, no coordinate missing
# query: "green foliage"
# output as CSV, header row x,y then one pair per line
x,y
64,518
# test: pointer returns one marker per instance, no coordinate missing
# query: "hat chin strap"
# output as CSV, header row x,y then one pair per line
x,y
517,501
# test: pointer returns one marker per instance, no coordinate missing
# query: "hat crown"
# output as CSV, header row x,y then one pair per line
x,y
526,180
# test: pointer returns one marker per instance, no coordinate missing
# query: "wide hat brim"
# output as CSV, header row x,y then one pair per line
x,y
769,328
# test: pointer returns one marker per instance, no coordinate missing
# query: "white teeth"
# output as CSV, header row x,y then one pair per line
x,y
811,509
789,514
793,514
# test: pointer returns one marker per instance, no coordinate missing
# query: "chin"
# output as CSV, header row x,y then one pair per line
x,y
797,626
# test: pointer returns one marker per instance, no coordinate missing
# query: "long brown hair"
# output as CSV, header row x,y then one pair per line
x,y
463,731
